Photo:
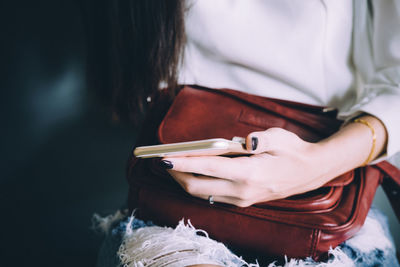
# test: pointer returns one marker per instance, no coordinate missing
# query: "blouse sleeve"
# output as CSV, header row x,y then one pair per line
x,y
377,61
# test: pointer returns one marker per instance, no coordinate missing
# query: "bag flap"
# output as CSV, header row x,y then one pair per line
x,y
200,113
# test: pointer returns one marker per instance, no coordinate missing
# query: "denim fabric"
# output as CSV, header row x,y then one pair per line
x,y
108,252
375,257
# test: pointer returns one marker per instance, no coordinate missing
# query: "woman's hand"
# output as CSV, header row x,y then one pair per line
x,y
282,165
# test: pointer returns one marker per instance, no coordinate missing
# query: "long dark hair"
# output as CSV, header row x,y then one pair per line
x,y
134,47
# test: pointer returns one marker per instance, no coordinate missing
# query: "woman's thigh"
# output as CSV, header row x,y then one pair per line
x,y
134,242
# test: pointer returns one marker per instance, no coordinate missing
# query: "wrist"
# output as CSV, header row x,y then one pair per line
x,y
322,161
351,147
328,160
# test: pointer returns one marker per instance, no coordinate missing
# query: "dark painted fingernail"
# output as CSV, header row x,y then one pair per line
x,y
254,143
166,164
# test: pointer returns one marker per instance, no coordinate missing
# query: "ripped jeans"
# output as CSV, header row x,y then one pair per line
x,y
132,242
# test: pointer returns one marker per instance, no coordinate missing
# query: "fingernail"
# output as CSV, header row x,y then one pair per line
x,y
166,164
254,143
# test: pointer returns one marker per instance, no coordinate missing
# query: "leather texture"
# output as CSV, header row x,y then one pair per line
x,y
298,226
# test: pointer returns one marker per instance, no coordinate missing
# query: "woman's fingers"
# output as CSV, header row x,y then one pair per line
x,y
280,157
215,166
203,185
200,186
269,141
228,200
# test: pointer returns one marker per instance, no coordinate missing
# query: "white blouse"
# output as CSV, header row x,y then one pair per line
x,y
334,53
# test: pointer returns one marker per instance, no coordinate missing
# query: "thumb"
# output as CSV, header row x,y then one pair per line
x,y
265,141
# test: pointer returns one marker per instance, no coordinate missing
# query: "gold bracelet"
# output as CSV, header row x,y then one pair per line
x,y
373,139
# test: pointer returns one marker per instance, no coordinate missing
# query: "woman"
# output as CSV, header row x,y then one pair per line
x,y
342,54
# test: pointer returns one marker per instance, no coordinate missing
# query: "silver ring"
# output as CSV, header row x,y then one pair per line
x,y
211,200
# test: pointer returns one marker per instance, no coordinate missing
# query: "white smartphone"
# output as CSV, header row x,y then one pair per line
x,y
207,147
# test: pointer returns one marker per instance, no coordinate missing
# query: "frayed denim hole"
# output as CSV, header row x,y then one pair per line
x,y
380,254
201,233
120,228
350,252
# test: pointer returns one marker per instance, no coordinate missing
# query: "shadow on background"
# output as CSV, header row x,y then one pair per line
x,y
62,159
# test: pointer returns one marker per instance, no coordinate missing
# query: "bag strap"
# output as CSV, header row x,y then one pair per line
x,y
391,185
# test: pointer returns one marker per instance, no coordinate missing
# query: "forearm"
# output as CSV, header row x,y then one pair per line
x,y
350,147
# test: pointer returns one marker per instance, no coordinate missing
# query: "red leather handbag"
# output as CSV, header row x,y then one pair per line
x,y
298,226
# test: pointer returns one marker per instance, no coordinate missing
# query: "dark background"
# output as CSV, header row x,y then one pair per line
x,y
62,159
